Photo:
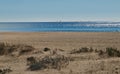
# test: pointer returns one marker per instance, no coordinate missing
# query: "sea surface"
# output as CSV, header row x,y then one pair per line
x,y
59,26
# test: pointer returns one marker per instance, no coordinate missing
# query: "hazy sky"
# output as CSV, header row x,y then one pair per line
x,y
56,10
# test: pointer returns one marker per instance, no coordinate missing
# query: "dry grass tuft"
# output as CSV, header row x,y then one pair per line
x,y
6,49
48,62
5,71
25,49
110,52
82,50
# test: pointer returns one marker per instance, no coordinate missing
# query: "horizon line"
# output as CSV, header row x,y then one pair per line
x,y
58,21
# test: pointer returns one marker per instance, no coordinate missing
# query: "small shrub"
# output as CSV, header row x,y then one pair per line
x,y
112,52
6,49
96,50
5,71
91,49
82,50
53,62
2,46
100,52
31,60
46,49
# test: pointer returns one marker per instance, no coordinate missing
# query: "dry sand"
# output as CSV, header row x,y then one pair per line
x,y
64,40
86,63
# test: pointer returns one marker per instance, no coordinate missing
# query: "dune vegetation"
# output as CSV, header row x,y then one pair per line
x,y
39,60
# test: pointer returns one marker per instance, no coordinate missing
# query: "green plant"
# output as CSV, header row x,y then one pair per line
x,y
112,52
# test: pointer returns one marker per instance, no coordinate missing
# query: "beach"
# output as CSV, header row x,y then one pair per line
x,y
59,37
63,40
67,41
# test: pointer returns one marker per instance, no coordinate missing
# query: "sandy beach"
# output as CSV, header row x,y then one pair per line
x,y
86,63
64,40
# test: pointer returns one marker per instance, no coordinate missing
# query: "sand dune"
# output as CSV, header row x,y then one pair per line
x,y
63,43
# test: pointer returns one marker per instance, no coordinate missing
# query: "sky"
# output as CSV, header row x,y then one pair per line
x,y
59,10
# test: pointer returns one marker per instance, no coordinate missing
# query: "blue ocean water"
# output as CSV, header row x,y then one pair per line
x,y
59,26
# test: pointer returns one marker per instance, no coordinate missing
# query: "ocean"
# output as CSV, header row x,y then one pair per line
x,y
59,26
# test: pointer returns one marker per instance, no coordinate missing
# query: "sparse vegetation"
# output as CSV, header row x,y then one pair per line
x,y
110,52
6,49
25,49
52,62
31,60
82,50
100,52
5,71
55,60
46,49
